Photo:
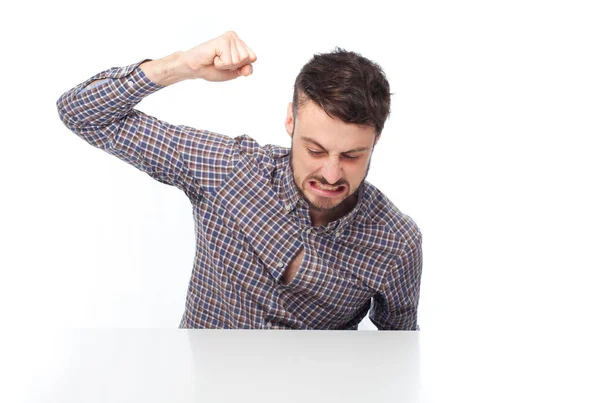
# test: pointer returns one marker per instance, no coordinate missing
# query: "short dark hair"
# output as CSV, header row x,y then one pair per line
x,y
345,85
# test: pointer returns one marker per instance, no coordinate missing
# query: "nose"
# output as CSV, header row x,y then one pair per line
x,y
332,172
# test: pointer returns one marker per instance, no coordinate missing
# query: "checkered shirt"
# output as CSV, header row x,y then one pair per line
x,y
250,221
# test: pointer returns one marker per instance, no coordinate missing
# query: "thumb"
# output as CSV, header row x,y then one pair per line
x,y
245,71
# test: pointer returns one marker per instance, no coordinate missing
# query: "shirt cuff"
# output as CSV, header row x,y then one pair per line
x,y
129,83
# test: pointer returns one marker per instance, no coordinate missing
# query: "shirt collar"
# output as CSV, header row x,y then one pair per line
x,y
291,197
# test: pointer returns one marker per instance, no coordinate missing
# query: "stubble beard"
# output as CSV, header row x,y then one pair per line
x,y
351,198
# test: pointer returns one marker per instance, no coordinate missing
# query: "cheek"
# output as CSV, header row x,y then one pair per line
x,y
304,167
356,173
309,167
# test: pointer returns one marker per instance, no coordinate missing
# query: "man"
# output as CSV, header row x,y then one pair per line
x,y
286,238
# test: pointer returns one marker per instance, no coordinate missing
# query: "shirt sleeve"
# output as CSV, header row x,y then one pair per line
x,y
97,83
395,307
103,115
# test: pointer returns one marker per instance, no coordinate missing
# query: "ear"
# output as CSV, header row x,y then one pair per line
x,y
289,120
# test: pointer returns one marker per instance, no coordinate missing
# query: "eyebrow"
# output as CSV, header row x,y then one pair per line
x,y
355,150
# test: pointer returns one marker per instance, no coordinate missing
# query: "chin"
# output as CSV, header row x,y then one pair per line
x,y
324,206
325,203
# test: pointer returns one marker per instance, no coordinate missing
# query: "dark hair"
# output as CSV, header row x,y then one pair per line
x,y
345,85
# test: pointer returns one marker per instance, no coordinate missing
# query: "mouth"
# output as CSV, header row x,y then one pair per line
x,y
326,190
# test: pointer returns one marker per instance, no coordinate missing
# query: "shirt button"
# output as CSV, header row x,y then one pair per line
x,y
280,265
130,83
308,230
338,234
288,207
269,325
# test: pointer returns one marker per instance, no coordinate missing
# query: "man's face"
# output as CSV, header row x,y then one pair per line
x,y
330,158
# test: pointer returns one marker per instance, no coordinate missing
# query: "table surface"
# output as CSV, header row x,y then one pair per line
x,y
174,365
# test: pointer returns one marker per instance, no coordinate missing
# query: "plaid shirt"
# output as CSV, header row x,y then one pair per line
x,y
250,221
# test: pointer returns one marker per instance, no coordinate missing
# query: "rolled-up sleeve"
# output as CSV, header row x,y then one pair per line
x,y
103,115
395,307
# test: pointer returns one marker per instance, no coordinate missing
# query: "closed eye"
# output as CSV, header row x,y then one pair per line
x,y
315,153
319,153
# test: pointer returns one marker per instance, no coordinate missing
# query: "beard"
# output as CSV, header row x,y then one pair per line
x,y
340,207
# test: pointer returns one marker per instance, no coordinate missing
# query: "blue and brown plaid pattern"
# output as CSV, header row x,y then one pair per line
x,y
250,222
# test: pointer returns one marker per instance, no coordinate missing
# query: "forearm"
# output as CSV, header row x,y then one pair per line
x,y
168,70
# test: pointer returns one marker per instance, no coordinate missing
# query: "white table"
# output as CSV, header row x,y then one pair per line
x,y
173,365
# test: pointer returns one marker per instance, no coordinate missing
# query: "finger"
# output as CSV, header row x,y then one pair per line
x,y
226,75
242,52
235,55
222,60
250,53
246,70
242,71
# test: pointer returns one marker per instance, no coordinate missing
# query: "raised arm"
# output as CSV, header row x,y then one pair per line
x,y
100,111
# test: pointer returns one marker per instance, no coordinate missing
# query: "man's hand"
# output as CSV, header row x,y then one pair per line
x,y
223,58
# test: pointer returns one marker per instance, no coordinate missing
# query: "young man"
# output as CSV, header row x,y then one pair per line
x,y
287,238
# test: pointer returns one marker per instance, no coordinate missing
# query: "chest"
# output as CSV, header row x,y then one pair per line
x,y
258,245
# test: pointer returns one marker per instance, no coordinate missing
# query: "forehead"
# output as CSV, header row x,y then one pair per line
x,y
332,133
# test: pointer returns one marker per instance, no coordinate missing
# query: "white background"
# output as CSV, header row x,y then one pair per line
x,y
492,148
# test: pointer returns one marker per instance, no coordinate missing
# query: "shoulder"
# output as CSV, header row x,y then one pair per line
x,y
382,212
267,157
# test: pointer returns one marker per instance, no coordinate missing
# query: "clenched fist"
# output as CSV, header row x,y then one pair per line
x,y
223,58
